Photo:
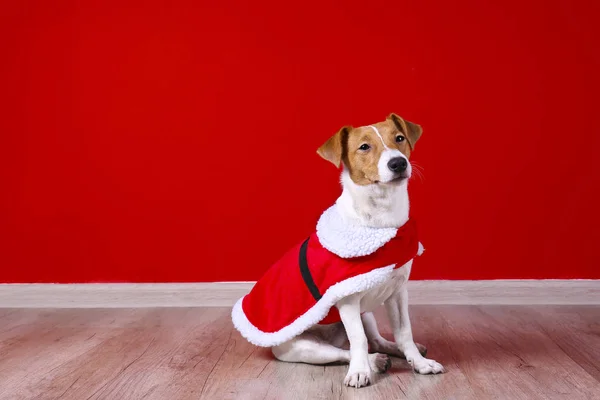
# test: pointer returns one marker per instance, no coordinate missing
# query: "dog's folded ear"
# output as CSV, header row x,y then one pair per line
x,y
411,130
333,149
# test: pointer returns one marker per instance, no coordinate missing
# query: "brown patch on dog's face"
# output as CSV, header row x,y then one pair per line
x,y
360,149
364,150
410,130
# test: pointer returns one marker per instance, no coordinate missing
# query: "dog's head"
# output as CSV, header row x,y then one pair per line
x,y
374,154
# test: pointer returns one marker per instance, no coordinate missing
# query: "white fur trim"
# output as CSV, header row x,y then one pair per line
x,y
348,240
421,249
314,315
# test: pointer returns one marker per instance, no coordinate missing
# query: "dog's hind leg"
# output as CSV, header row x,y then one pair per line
x,y
308,348
311,349
378,343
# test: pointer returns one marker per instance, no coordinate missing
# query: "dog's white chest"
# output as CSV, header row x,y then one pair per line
x,y
373,298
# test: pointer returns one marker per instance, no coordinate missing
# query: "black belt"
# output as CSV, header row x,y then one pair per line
x,y
308,280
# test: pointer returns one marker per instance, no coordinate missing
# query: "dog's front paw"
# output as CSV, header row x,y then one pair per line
x,y
358,379
426,366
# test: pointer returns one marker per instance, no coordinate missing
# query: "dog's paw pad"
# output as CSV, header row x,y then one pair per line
x,y
357,379
380,362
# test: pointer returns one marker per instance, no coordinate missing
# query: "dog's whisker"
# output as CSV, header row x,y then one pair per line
x,y
417,166
417,175
418,172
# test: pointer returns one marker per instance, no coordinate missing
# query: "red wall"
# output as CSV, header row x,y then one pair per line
x,y
175,141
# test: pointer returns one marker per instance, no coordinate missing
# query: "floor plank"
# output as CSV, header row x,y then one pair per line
x,y
490,352
576,330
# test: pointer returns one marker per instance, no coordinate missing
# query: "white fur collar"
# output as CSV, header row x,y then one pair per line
x,y
346,239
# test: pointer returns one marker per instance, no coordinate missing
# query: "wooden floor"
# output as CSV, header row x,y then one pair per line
x,y
490,352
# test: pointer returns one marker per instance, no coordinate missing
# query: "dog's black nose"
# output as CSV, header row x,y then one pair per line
x,y
398,164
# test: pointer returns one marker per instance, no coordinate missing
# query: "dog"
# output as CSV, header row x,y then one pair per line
x,y
319,297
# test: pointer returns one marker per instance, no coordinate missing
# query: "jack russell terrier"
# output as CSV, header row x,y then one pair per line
x,y
320,295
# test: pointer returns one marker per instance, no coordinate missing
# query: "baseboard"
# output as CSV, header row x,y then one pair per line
x,y
224,294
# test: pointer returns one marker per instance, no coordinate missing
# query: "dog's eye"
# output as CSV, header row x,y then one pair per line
x,y
400,139
364,147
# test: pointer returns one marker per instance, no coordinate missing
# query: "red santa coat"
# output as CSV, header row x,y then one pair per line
x,y
301,289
